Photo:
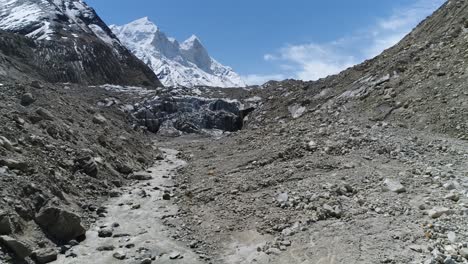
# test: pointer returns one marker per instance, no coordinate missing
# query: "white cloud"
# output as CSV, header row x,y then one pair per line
x,y
257,79
311,61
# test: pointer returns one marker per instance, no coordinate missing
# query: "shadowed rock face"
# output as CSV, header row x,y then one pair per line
x,y
190,114
65,41
89,62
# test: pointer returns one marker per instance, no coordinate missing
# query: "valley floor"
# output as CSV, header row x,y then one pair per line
x,y
247,198
254,199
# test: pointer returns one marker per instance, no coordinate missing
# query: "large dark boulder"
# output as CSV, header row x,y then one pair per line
x,y
60,224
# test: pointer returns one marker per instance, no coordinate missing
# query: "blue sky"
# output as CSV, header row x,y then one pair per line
x,y
273,39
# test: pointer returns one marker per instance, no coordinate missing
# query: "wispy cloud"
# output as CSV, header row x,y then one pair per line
x,y
257,79
311,61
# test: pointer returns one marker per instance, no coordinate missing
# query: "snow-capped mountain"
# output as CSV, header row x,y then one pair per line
x,y
187,64
73,43
49,19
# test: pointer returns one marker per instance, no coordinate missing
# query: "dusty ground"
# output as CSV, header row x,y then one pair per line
x,y
228,198
367,166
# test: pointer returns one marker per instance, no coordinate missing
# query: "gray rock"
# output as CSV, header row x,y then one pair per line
x,y
14,164
60,224
449,260
175,255
87,165
119,255
4,142
44,114
99,119
43,256
296,110
146,261
166,196
6,226
464,253
451,185
124,168
416,248
437,212
453,196
20,249
105,232
273,251
27,99
106,248
452,237
141,176
312,146
282,198
393,186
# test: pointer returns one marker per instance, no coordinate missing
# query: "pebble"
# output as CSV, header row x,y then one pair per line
x,y
166,196
175,255
105,232
393,186
452,236
119,255
106,248
437,212
146,261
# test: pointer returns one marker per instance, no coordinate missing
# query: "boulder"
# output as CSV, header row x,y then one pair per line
x,y
87,165
14,164
141,176
27,99
20,249
296,110
6,225
44,114
99,119
437,212
60,224
4,142
105,232
46,255
119,255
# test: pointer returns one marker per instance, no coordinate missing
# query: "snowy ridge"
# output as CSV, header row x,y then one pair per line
x,y
72,44
53,19
187,64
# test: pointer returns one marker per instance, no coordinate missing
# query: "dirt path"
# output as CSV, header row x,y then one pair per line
x,y
141,235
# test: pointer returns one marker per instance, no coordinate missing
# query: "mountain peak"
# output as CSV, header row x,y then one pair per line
x,y
191,42
187,64
143,24
192,38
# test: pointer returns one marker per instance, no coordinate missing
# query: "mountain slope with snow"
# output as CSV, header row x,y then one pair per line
x,y
72,43
187,64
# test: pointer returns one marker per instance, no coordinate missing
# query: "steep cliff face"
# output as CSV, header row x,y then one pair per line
x,y
70,43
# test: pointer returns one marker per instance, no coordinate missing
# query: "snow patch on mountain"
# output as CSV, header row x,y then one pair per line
x,y
187,64
49,19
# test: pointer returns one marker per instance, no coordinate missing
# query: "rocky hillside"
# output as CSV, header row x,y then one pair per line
x,y
187,64
70,43
367,166
59,161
